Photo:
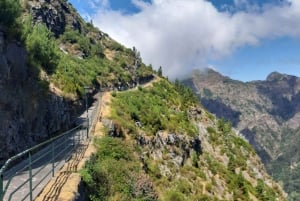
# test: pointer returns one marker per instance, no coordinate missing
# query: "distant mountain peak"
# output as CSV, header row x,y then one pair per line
x,y
266,112
210,74
209,70
276,76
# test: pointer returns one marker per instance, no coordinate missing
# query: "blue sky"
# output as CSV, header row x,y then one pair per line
x,y
255,63
243,39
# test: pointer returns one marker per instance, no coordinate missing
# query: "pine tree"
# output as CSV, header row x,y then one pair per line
x,y
159,71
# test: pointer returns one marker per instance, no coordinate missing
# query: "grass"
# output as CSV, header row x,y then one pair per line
x,y
158,108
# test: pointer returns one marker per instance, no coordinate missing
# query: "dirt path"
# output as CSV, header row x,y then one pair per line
x,y
64,186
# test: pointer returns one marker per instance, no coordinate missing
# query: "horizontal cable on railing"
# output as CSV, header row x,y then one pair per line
x,y
65,143
57,149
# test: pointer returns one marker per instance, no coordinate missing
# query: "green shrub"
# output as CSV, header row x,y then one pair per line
x,y
113,148
186,93
10,10
159,71
114,172
114,94
88,47
184,187
174,196
116,46
195,159
224,126
263,192
210,116
27,27
204,198
210,130
72,73
241,188
209,187
240,142
153,169
70,35
42,48
153,108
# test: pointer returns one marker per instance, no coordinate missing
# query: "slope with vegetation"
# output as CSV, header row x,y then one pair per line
x,y
76,53
47,55
266,113
165,146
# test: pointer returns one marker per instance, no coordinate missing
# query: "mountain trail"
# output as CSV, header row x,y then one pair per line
x,y
66,183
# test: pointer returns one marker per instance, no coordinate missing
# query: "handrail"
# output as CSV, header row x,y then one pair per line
x,y
48,149
33,148
53,151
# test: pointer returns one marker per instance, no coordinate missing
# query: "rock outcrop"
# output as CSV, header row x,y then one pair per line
x,y
29,113
55,14
179,147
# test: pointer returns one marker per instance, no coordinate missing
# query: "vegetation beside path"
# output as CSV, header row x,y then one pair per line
x,y
65,184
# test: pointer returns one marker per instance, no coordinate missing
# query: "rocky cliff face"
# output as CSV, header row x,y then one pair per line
x,y
55,14
37,100
265,112
29,113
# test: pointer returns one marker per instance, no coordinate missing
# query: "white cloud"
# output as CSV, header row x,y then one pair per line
x,y
140,4
239,3
181,35
99,4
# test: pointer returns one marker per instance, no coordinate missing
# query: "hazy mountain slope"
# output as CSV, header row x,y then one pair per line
x,y
176,151
265,112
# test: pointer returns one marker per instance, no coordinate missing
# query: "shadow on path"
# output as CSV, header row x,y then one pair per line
x,y
63,176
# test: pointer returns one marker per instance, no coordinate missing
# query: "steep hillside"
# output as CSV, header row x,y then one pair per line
x,y
164,146
265,112
47,55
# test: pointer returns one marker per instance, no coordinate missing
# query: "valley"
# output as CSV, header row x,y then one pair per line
x,y
155,142
265,112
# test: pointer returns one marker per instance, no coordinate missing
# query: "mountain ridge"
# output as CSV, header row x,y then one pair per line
x,y
160,144
266,112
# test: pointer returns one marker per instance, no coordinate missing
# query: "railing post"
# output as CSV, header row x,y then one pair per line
x,y
86,88
52,157
1,187
87,127
73,138
79,131
30,175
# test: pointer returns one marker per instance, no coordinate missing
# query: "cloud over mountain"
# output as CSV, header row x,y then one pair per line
x,y
181,35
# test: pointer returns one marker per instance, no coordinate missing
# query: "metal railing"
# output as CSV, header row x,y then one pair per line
x,y
24,175
38,164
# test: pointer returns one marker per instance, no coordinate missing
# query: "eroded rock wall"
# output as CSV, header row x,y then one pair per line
x,y
29,113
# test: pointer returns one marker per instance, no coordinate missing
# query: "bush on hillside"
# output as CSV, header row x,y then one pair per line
x,y
114,173
157,108
10,10
88,47
42,48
